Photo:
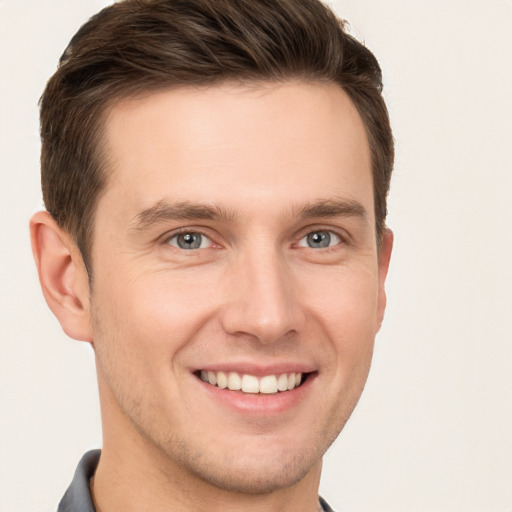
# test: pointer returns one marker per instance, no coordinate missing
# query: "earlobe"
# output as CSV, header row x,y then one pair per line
x,y
384,258
62,275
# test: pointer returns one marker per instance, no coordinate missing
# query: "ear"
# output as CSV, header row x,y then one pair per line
x,y
62,275
384,256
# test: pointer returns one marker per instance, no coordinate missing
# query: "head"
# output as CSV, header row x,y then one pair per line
x,y
216,172
136,47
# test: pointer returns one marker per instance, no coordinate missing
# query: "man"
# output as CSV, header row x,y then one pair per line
x,y
215,175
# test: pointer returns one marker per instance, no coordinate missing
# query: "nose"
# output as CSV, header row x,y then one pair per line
x,y
261,299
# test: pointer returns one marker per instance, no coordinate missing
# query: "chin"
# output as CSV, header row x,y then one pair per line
x,y
255,476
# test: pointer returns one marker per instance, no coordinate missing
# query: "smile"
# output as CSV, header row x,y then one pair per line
x,y
268,384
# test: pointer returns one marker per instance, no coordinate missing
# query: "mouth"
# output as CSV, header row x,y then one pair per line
x,y
246,383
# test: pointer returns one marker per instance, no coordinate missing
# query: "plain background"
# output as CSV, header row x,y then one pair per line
x,y
433,430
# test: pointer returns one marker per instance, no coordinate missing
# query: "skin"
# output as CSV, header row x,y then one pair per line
x,y
274,163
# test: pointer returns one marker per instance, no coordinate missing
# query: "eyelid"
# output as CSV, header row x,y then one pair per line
x,y
334,241
167,237
344,237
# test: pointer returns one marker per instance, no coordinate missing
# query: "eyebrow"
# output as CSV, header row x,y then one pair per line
x,y
334,208
163,211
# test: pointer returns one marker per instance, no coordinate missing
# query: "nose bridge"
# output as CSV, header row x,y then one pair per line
x,y
261,300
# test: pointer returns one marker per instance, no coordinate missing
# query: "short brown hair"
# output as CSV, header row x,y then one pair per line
x,y
144,45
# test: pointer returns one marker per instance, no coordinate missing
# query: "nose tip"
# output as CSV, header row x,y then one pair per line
x,y
264,325
262,303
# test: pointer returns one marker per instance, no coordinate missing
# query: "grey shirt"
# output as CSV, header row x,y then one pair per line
x,y
78,496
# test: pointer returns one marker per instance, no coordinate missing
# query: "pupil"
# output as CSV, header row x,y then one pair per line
x,y
189,241
319,239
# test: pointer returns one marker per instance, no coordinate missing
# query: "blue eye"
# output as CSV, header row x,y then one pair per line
x,y
189,240
320,240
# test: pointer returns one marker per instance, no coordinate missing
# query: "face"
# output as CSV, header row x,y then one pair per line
x,y
235,247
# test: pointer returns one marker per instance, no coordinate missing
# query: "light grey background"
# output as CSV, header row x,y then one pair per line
x,y
433,431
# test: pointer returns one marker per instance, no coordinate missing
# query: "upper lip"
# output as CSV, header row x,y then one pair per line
x,y
258,370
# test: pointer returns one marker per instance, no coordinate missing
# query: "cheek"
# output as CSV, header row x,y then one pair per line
x,y
350,290
345,305
141,325
154,315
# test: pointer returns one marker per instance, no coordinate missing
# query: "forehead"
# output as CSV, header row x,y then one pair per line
x,y
238,146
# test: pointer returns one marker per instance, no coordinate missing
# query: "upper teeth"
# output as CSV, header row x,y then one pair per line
x,y
251,384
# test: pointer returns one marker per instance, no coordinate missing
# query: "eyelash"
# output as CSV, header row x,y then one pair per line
x,y
342,238
168,239
338,238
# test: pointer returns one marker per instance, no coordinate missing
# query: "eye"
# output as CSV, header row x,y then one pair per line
x,y
320,239
190,240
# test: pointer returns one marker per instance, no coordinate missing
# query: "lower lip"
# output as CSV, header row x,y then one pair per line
x,y
260,403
